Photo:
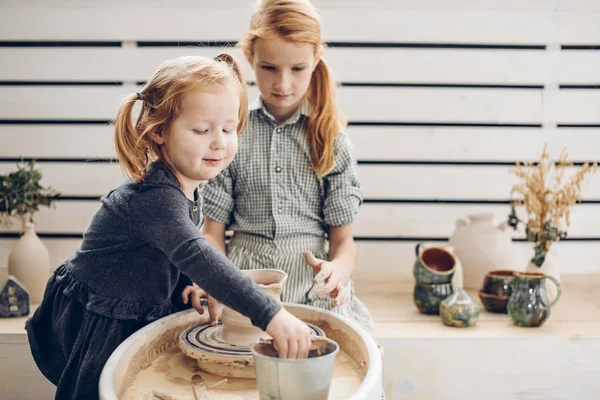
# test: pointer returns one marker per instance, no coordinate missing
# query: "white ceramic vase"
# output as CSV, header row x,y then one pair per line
x,y
481,245
29,262
551,267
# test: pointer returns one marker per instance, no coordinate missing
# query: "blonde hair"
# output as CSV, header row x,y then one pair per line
x,y
162,98
298,21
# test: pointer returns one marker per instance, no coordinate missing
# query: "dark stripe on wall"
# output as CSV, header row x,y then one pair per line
x,y
443,239
55,122
201,44
231,43
374,201
441,85
350,123
580,47
343,84
77,198
579,86
578,125
454,201
53,235
58,43
361,162
440,124
439,45
60,160
465,163
58,83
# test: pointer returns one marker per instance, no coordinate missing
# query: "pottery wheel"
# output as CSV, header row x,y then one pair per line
x,y
209,339
205,344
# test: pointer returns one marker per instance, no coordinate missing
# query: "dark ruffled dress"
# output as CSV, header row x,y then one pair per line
x,y
141,249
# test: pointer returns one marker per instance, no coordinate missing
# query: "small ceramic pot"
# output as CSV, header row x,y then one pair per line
x,y
499,282
493,303
428,298
460,310
433,265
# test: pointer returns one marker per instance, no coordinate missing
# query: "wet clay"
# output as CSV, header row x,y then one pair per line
x,y
172,371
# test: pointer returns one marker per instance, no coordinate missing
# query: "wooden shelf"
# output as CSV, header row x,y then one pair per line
x,y
577,313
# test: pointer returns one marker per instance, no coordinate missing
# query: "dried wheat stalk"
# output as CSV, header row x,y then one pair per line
x,y
548,197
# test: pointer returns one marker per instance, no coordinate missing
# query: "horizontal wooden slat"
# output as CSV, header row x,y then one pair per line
x,y
377,258
375,220
578,27
577,106
385,104
439,220
57,141
447,182
400,21
62,217
185,20
77,179
471,144
378,181
576,67
371,143
349,65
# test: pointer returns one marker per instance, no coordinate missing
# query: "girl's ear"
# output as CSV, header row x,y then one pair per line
x,y
157,137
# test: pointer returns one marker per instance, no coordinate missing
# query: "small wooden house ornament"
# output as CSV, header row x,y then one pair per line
x,y
14,299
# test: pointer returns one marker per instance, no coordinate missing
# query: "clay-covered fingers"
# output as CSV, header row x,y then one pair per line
x,y
324,275
331,283
213,310
304,347
289,334
292,348
185,294
339,295
313,262
196,296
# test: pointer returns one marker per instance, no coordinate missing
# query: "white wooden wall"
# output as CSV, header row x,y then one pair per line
x,y
443,96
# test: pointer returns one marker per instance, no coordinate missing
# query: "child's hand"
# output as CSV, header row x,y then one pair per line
x,y
291,336
334,276
196,294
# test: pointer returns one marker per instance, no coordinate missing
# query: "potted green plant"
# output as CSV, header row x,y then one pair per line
x,y
21,195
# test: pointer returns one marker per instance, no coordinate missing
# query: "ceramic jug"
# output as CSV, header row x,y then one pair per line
x,y
529,304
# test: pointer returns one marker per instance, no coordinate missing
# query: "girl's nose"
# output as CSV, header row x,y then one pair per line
x,y
218,142
284,81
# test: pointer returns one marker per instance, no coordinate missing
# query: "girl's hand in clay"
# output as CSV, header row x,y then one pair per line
x,y
333,274
195,293
291,336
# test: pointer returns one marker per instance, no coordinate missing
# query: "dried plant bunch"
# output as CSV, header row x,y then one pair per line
x,y
548,195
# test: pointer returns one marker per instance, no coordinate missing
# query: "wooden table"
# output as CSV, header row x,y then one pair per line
x,y
424,359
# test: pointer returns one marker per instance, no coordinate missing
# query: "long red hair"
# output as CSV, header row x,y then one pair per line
x,y
298,21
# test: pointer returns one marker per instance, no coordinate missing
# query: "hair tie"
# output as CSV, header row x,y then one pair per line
x,y
139,96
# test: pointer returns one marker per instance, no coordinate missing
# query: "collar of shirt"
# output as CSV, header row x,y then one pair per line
x,y
303,110
159,174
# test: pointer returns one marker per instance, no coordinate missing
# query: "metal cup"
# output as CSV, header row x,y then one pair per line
x,y
294,379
